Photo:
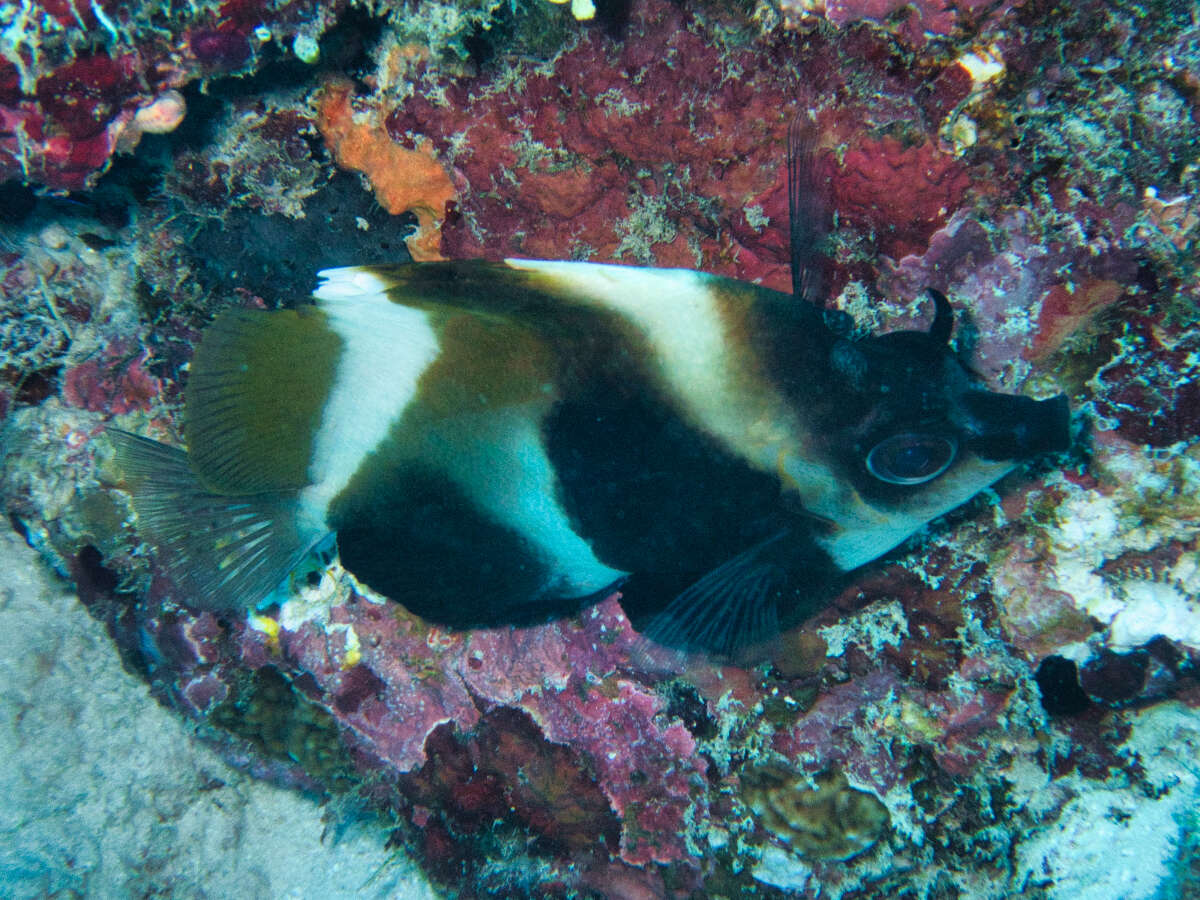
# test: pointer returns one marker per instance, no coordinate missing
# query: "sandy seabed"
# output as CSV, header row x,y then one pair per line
x,y
104,793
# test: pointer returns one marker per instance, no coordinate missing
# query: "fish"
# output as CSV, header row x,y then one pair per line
x,y
506,442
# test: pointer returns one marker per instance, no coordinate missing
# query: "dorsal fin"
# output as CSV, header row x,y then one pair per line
x,y
255,393
808,213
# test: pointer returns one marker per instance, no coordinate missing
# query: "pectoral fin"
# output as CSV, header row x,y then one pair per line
x,y
734,605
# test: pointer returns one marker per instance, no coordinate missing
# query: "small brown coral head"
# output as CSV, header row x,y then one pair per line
x,y
824,818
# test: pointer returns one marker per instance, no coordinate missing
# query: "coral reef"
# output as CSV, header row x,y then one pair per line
x,y
915,23
79,83
906,190
638,152
263,164
961,720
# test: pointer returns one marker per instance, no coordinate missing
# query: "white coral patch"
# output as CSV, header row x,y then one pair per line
x,y
877,626
1122,844
1087,522
1154,608
983,64
781,869
1094,529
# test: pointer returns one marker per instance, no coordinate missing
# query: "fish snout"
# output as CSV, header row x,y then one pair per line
x,y
1002,426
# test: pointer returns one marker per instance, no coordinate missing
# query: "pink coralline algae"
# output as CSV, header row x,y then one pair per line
x,y
116,381
536,727
1013,286
668,147
408,679
915,22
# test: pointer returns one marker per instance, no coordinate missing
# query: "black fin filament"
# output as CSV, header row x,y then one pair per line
x,y
808,213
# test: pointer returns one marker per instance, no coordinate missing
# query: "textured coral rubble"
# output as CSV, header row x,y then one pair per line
x,y
987,692
81,81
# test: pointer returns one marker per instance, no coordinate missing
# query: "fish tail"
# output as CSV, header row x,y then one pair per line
x,y
222,552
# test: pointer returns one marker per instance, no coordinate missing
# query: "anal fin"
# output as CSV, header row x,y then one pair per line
x,y
223,552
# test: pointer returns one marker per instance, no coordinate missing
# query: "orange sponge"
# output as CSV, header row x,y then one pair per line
x,y
404,180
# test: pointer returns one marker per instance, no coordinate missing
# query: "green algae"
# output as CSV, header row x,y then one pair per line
x,y
271,714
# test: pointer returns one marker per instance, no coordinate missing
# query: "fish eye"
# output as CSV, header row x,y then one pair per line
x,y
909,458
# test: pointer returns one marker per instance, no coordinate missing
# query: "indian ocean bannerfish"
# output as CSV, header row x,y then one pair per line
x,y
505,442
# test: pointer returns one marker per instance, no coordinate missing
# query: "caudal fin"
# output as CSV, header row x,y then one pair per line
x,y
222,552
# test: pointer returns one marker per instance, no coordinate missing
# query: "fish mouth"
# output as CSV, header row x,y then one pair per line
x,y
1002,426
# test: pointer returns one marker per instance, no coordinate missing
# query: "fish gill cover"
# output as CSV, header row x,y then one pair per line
x,y
993,710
